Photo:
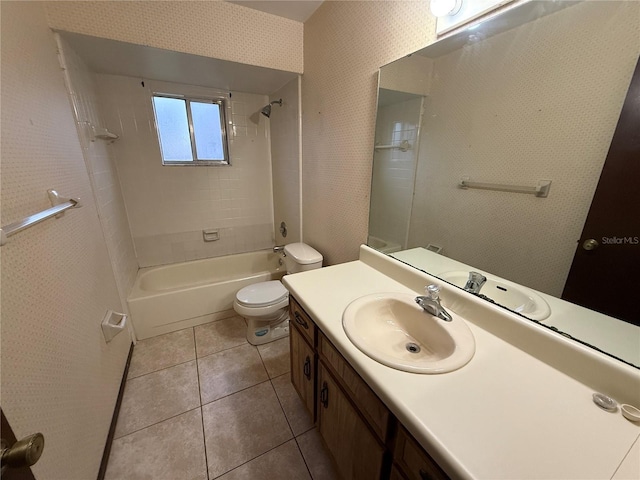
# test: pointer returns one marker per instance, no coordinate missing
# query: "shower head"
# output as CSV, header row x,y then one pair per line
x,y
266,111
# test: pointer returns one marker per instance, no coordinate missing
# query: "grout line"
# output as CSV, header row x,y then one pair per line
x,y
282,407
284,414
258,456
161,369
223,350
233,393
306,431
156,423
303,458
204,437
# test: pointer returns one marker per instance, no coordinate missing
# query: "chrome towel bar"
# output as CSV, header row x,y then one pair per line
x,y
540,190
59,205
403,146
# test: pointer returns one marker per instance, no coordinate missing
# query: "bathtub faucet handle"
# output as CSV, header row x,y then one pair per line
x,y
279,249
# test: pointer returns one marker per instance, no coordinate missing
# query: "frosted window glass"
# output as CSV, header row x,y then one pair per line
x,y
206,129
173,129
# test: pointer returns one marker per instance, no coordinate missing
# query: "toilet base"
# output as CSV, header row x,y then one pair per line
x,y
259,333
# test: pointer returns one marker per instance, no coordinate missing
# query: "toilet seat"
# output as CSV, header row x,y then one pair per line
x,y
262,299
262,294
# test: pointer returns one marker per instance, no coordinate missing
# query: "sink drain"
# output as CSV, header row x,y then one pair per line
x,y
413,347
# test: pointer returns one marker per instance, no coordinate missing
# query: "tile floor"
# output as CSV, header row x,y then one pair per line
x,y
202,403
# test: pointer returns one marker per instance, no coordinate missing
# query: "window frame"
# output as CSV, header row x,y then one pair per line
x,y
222,104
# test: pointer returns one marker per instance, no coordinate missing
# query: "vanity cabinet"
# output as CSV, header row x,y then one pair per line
x,y
412,460
303,370
356,451
362,435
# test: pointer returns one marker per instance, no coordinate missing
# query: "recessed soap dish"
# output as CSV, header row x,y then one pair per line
x,y
604,402
630,412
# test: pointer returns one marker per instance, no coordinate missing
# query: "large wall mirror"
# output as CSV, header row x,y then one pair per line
x,y
490,145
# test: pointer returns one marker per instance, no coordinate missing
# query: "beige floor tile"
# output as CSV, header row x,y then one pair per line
x,y
158,396
220,335
299,419
282,463
275,356
230,371
316,457
242,426
166,451
161,352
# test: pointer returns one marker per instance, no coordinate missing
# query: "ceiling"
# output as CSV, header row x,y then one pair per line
x,y
102,55
298,10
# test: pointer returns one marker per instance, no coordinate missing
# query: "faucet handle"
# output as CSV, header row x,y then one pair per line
x,y
433,291
477,277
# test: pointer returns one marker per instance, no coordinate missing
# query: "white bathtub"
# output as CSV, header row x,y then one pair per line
x,y
384,246
171,297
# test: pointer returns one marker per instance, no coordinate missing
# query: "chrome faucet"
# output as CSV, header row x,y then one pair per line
x,y
475,282
431,303
279,249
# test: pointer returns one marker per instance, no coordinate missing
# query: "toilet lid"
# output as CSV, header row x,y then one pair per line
x,y
262,294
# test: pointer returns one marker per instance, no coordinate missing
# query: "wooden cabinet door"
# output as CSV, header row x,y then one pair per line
x,y
357,453
303,366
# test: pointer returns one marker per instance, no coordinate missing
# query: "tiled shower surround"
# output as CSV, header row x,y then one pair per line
x,y
169,206
202,403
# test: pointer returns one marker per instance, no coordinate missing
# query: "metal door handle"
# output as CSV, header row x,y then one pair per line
x,y
324,395
300,321
590,244
307,368
23,453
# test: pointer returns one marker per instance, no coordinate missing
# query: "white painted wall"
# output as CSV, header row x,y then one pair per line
x,y
59,377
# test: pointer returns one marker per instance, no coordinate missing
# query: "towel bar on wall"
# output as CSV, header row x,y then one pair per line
x,y
59,205
540,190
403,146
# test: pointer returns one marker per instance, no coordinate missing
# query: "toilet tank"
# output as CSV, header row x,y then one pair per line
x,y
300,257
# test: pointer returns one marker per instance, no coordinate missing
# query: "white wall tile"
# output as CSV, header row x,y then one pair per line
x,y
163,201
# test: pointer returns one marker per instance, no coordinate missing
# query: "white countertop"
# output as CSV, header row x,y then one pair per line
x,y
506,414
619,338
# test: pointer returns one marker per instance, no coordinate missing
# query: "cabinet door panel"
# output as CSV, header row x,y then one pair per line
x,y
303,366
357,453
303,321
414,461
371,407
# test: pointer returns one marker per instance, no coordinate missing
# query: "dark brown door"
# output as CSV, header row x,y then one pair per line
x,y
605,274
8,436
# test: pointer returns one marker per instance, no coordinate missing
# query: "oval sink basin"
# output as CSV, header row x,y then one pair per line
x,y
394,330
511,295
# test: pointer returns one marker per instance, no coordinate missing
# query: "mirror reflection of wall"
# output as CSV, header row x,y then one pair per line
x,y
509,103
537,102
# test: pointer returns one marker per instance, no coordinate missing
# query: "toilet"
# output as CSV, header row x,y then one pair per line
x,y
265,305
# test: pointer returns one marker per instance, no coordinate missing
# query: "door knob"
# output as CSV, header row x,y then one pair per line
x,y
590,244
23,453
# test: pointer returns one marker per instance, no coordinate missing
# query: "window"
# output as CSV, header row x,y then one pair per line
x,y
191,131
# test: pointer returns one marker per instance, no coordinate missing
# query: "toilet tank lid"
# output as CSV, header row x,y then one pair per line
x,y
302,253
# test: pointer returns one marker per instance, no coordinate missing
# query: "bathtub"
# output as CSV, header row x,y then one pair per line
x,y
172,297
383,246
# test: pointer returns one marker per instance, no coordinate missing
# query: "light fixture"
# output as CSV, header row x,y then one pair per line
x,y
442,8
